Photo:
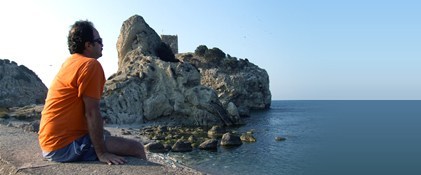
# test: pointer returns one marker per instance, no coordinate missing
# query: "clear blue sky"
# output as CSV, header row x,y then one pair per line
x,y
356,49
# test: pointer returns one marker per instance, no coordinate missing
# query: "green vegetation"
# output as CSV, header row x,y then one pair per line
x,y
214,53
3,112
201,50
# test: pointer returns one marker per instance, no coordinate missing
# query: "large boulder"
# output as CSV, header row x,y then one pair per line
x,y
155,147
19,86
211,144
182,146
229,139
147,87
135,34
235,80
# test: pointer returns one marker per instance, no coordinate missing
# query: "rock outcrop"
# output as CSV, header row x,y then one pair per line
x,y
150,87
19,86
229,139
235,80
28,113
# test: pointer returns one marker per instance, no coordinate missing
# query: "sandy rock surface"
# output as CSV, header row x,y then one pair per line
x,y
20,154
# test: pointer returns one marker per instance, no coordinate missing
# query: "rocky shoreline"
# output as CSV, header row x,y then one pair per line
x,y
151,134
170,165
174,102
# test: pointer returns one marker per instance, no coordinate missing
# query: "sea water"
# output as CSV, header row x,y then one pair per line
x,y
322,137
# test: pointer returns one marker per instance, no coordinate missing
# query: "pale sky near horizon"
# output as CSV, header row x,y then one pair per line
x,y
312,50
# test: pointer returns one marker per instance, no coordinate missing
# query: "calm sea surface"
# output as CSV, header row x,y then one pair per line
x,y
323,137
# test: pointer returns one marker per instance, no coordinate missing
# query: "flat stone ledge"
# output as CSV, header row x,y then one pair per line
x,y
20,154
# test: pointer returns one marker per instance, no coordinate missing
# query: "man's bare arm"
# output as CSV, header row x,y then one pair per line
x,y
96,132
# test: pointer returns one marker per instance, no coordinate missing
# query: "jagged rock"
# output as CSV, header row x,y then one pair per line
x,y
211,144
148,88
182,146
19,86
237,81
229,139
135,34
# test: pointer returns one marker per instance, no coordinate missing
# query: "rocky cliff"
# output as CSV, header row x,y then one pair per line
x,y
235,80
19,86
151,84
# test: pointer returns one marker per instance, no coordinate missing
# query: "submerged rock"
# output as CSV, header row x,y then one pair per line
x,y
278,138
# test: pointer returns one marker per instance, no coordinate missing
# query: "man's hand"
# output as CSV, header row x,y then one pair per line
x,y
111,159
95,128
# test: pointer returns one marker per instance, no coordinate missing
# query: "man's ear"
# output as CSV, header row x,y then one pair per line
x,y
87,44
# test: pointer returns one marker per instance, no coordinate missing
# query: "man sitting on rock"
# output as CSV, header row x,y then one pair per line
x,y
71,127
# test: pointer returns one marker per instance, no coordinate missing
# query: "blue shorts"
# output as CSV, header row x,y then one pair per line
x,y
79,150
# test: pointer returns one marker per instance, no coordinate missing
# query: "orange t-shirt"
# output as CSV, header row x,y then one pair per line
x,y
63,118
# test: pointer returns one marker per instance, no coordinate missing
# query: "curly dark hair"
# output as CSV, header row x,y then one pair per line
x,y
80,32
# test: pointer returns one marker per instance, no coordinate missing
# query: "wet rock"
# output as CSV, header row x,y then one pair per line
x,y
192,139
125,132
211,144
167,147
233,113
216,132
229,139
158,137
246,137
182,146
155,147
3,113
280,138
162,129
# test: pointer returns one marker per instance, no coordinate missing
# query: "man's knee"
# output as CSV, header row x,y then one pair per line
x,y
124,146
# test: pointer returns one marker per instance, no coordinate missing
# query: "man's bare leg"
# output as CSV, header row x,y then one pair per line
x,y
125,147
